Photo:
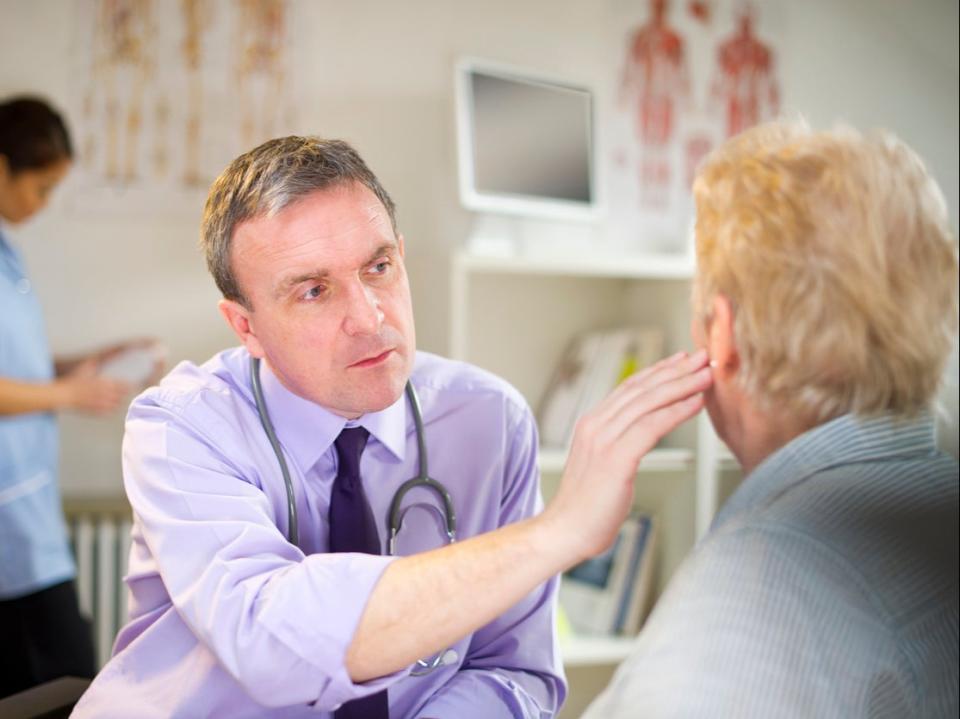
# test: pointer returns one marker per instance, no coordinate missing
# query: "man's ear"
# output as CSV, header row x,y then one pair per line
x,y
240,321
400,243
721,340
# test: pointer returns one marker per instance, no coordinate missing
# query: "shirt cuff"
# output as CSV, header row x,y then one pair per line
x,y
482,694
339,585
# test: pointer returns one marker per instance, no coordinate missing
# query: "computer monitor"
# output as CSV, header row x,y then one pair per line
x,y
525,144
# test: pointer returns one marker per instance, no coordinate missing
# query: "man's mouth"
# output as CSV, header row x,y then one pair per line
x,y
373,360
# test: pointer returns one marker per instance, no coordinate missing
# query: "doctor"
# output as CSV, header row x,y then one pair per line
x,y
233,611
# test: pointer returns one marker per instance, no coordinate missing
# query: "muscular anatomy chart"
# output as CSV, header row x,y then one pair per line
x,y
654,83
689,73
745,84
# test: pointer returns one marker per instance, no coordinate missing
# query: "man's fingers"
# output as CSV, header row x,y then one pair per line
x,y
683,365
602,431
661,422
633,388
664,395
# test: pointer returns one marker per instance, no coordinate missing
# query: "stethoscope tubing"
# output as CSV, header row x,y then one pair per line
x,y
394,517
293,531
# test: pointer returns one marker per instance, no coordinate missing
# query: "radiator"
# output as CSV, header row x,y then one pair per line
x,y
100,536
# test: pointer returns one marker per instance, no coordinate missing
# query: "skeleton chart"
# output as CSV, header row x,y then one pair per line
x,y
169,91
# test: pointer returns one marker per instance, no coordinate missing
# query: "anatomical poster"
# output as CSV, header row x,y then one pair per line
x,y
168,91
686,74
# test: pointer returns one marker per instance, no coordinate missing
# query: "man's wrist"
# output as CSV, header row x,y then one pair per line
x,y
552,539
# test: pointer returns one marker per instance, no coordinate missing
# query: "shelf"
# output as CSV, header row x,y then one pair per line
x,y
580,651
552,460
663,266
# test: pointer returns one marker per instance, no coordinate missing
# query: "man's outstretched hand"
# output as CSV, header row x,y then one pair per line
x,y
596,491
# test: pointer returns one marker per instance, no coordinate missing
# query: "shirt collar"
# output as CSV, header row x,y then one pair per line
x,y
307,430
9,255
4,242
844,440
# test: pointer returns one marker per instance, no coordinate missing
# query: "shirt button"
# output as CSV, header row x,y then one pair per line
x,y
23,285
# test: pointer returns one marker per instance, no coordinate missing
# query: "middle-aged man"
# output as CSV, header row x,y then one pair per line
x,y
826,294
230,619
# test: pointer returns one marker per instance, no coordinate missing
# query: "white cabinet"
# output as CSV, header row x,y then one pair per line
x,y
515,315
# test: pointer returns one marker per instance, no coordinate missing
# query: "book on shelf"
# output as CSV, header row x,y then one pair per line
x,y
611,593
636,599
592,364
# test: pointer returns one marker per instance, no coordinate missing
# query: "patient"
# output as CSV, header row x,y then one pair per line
x,y
826,296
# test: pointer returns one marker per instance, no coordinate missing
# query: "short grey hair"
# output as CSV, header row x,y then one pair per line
x,y
266,180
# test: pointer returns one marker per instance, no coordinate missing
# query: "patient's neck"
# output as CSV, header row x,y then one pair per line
x,y
757,433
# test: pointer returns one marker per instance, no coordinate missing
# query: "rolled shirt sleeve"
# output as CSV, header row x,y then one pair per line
x,y
485,694
229,618
513,667
259,605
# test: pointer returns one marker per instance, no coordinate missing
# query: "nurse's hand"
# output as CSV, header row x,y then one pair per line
x,y
596,491
85,391
149,345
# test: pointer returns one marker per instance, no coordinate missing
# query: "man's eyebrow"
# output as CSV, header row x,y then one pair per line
x,y
387,248
286,284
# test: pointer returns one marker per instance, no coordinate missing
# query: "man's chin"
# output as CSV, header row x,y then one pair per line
x,y
374,399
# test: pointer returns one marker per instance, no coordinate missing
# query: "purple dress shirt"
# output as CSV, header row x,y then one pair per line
x,y
227,619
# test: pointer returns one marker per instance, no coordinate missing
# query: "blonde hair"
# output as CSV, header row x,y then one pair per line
x,y
835,251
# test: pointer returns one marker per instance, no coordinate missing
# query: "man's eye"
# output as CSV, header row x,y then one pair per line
x,y
380,267
313,293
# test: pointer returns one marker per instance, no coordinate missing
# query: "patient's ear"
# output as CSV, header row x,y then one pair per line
x,y
721,341
240,321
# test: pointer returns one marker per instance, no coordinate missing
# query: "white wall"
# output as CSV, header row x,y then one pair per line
x,y
380,75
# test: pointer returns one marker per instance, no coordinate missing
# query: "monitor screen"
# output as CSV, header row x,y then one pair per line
x,y
526,144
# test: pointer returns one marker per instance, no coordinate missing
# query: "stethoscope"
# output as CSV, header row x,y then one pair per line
x,y
395,516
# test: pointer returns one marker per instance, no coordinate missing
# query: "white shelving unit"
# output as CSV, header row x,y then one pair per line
x,y
476,282
585,651
465,265
642,267
552,460
514,315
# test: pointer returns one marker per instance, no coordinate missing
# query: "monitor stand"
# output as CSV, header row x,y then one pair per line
x,y
515,236
494,235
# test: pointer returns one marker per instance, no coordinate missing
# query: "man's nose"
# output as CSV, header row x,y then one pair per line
x,y
363,316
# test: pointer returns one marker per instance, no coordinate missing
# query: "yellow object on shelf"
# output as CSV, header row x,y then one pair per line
x,y
564,630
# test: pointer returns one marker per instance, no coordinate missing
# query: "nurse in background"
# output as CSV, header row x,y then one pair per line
x,y
42,633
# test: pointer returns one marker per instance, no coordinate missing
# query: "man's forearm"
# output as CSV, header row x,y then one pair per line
x,y
469,584
426,602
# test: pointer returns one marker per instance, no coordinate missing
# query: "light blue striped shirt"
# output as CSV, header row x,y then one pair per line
x,y
827,587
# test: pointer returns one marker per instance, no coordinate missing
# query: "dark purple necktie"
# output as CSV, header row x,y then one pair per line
x,y
353,529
